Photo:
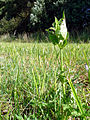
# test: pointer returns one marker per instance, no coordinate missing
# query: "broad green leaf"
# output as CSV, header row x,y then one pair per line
x,y
52,28
64,43
56,22
53,38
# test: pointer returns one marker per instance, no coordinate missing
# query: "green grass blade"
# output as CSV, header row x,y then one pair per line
x,y
76,97
35,81
43,83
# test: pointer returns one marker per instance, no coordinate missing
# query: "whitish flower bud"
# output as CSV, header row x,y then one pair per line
x,y
63,29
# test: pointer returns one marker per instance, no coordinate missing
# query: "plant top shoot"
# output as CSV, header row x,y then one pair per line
x,y
58,32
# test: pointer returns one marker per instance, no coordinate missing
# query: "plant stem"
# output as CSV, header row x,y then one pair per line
x,y
61,67
61,57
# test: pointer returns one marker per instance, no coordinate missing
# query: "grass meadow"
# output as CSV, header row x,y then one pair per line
x,y
29,84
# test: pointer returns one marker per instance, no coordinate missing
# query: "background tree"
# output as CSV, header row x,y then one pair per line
x,y
15,14
33,15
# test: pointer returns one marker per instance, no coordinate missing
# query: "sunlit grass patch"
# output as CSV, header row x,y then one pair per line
x,y
28,78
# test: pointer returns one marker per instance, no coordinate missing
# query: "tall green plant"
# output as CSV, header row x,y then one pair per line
x,y
58,35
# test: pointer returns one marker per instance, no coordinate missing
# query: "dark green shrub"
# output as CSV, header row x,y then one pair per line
x,y
8,26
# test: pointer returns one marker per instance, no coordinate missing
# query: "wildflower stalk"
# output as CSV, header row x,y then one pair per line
x,y
58,35
61,59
